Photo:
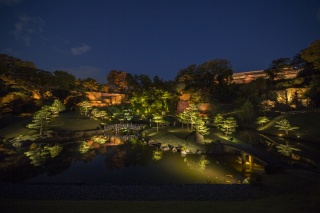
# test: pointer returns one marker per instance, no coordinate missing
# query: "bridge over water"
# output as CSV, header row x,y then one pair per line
x,y
248,154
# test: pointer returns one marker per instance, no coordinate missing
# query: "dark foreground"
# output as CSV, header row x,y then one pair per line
x,y
291,191
150,198
127,192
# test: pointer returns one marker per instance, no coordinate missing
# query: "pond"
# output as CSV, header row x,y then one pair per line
x,y
115,163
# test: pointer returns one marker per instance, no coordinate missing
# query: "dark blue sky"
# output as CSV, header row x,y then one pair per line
x,y
88,38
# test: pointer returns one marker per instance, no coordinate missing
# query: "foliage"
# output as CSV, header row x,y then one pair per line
x,y
99,139
83,147
64,80
276,68
191,114
57,107
218,121
41,120
89,84
117,81
85,107
229,126
285,125
286,149
312,54
158,119
43,117
246,112
156,155
203,162
154,100
262,120
54,150
39,155
314,90
200,125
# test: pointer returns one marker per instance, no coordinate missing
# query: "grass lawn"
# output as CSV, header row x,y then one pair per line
x,y
66,121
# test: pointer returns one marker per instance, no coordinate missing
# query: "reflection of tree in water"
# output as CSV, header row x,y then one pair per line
x,y
115,158
17,168
45,159
157,155
128,155
199,163
38,154
89,156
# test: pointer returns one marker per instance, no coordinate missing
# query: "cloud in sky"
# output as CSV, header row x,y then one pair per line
x,y
80,50
10,2
26,27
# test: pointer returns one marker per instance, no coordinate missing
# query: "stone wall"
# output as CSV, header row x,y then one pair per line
x,y
100,99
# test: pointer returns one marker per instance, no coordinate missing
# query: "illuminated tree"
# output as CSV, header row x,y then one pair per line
x,y
285,125
192,114
85,107
183,118
127,114
117,80
286,149
90,84
262,120
218,121
57,107
158,119
229,125
200,126
41,120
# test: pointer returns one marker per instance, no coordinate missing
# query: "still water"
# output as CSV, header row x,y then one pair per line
x,y
125,163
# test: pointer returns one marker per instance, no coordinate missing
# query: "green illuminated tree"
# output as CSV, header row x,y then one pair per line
x,y
200,126
229,126
85,107
285,125
57,107
192,113
286,150
158,119
41,120
218,121
183,118
262,120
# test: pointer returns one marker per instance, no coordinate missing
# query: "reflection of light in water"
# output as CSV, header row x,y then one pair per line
x,y
214,172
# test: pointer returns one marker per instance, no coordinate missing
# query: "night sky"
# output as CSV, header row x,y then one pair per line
x,y
88,38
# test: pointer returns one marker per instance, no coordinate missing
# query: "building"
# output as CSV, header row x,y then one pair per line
x,y
247,77
101,99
